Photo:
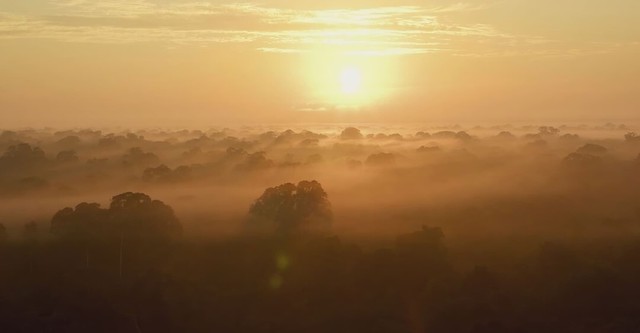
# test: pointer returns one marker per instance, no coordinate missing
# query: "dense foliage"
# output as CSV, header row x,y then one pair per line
x,y
287,208
318,284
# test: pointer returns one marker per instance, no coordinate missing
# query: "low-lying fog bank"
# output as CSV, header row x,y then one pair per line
x,y
491,181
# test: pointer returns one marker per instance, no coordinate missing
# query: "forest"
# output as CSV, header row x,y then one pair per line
x,y
355,228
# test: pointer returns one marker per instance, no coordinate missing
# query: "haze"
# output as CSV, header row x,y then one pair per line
x,y
319,166
180,63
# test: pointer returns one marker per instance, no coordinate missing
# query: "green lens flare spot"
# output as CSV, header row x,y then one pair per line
x,y
275,282
282,262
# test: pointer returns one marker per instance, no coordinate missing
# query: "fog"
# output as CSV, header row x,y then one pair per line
x,y
344,228
381,181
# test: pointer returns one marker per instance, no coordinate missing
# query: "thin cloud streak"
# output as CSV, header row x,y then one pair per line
x,y
394,30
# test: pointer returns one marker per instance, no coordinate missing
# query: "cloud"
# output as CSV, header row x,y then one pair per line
x,y
280,50
391,30
460,7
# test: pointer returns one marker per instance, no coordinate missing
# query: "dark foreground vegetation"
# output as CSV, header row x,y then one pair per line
x,y
127,269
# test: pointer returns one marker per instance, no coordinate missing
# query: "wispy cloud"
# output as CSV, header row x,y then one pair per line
x,y
460,7
392,30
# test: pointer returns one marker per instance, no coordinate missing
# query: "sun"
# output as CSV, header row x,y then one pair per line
x,y
346,82
350,80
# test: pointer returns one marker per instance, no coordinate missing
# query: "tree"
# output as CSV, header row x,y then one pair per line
x,y
254,162
426,243
423,135
288,207
69,142
420,256
582,160
444,135
463,136
130,216
505,135
351,133
23,157
592,149
157,173
83,225
164,174
136,157
137,215
86,220
67,156
548,131
429,149
632,137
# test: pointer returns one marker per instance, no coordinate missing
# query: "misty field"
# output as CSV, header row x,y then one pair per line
x,y
354,228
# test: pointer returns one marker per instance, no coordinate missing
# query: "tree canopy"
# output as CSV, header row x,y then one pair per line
x,y
289,207
131,214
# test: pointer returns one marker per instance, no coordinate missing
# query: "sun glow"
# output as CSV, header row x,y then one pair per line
x,y
338,81
350,80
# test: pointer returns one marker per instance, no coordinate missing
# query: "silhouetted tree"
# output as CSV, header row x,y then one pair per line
x,y
23,157
592,149
137,215
505,135
428,149
422,135
444,135
582,160
463,136
86,220
161,172
137,157
255,161
130,217
290,137
632,137
83,225
288,207
383,136
569,137
351,133
67,156
548,131
70,141
309,143
426,243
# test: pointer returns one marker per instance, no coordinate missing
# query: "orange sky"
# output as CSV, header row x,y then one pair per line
x,y
199,63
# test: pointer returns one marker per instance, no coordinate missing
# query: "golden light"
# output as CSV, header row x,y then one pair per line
x,y
350,80
339,81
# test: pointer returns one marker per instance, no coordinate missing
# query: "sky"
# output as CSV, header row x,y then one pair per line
x,y
144,63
